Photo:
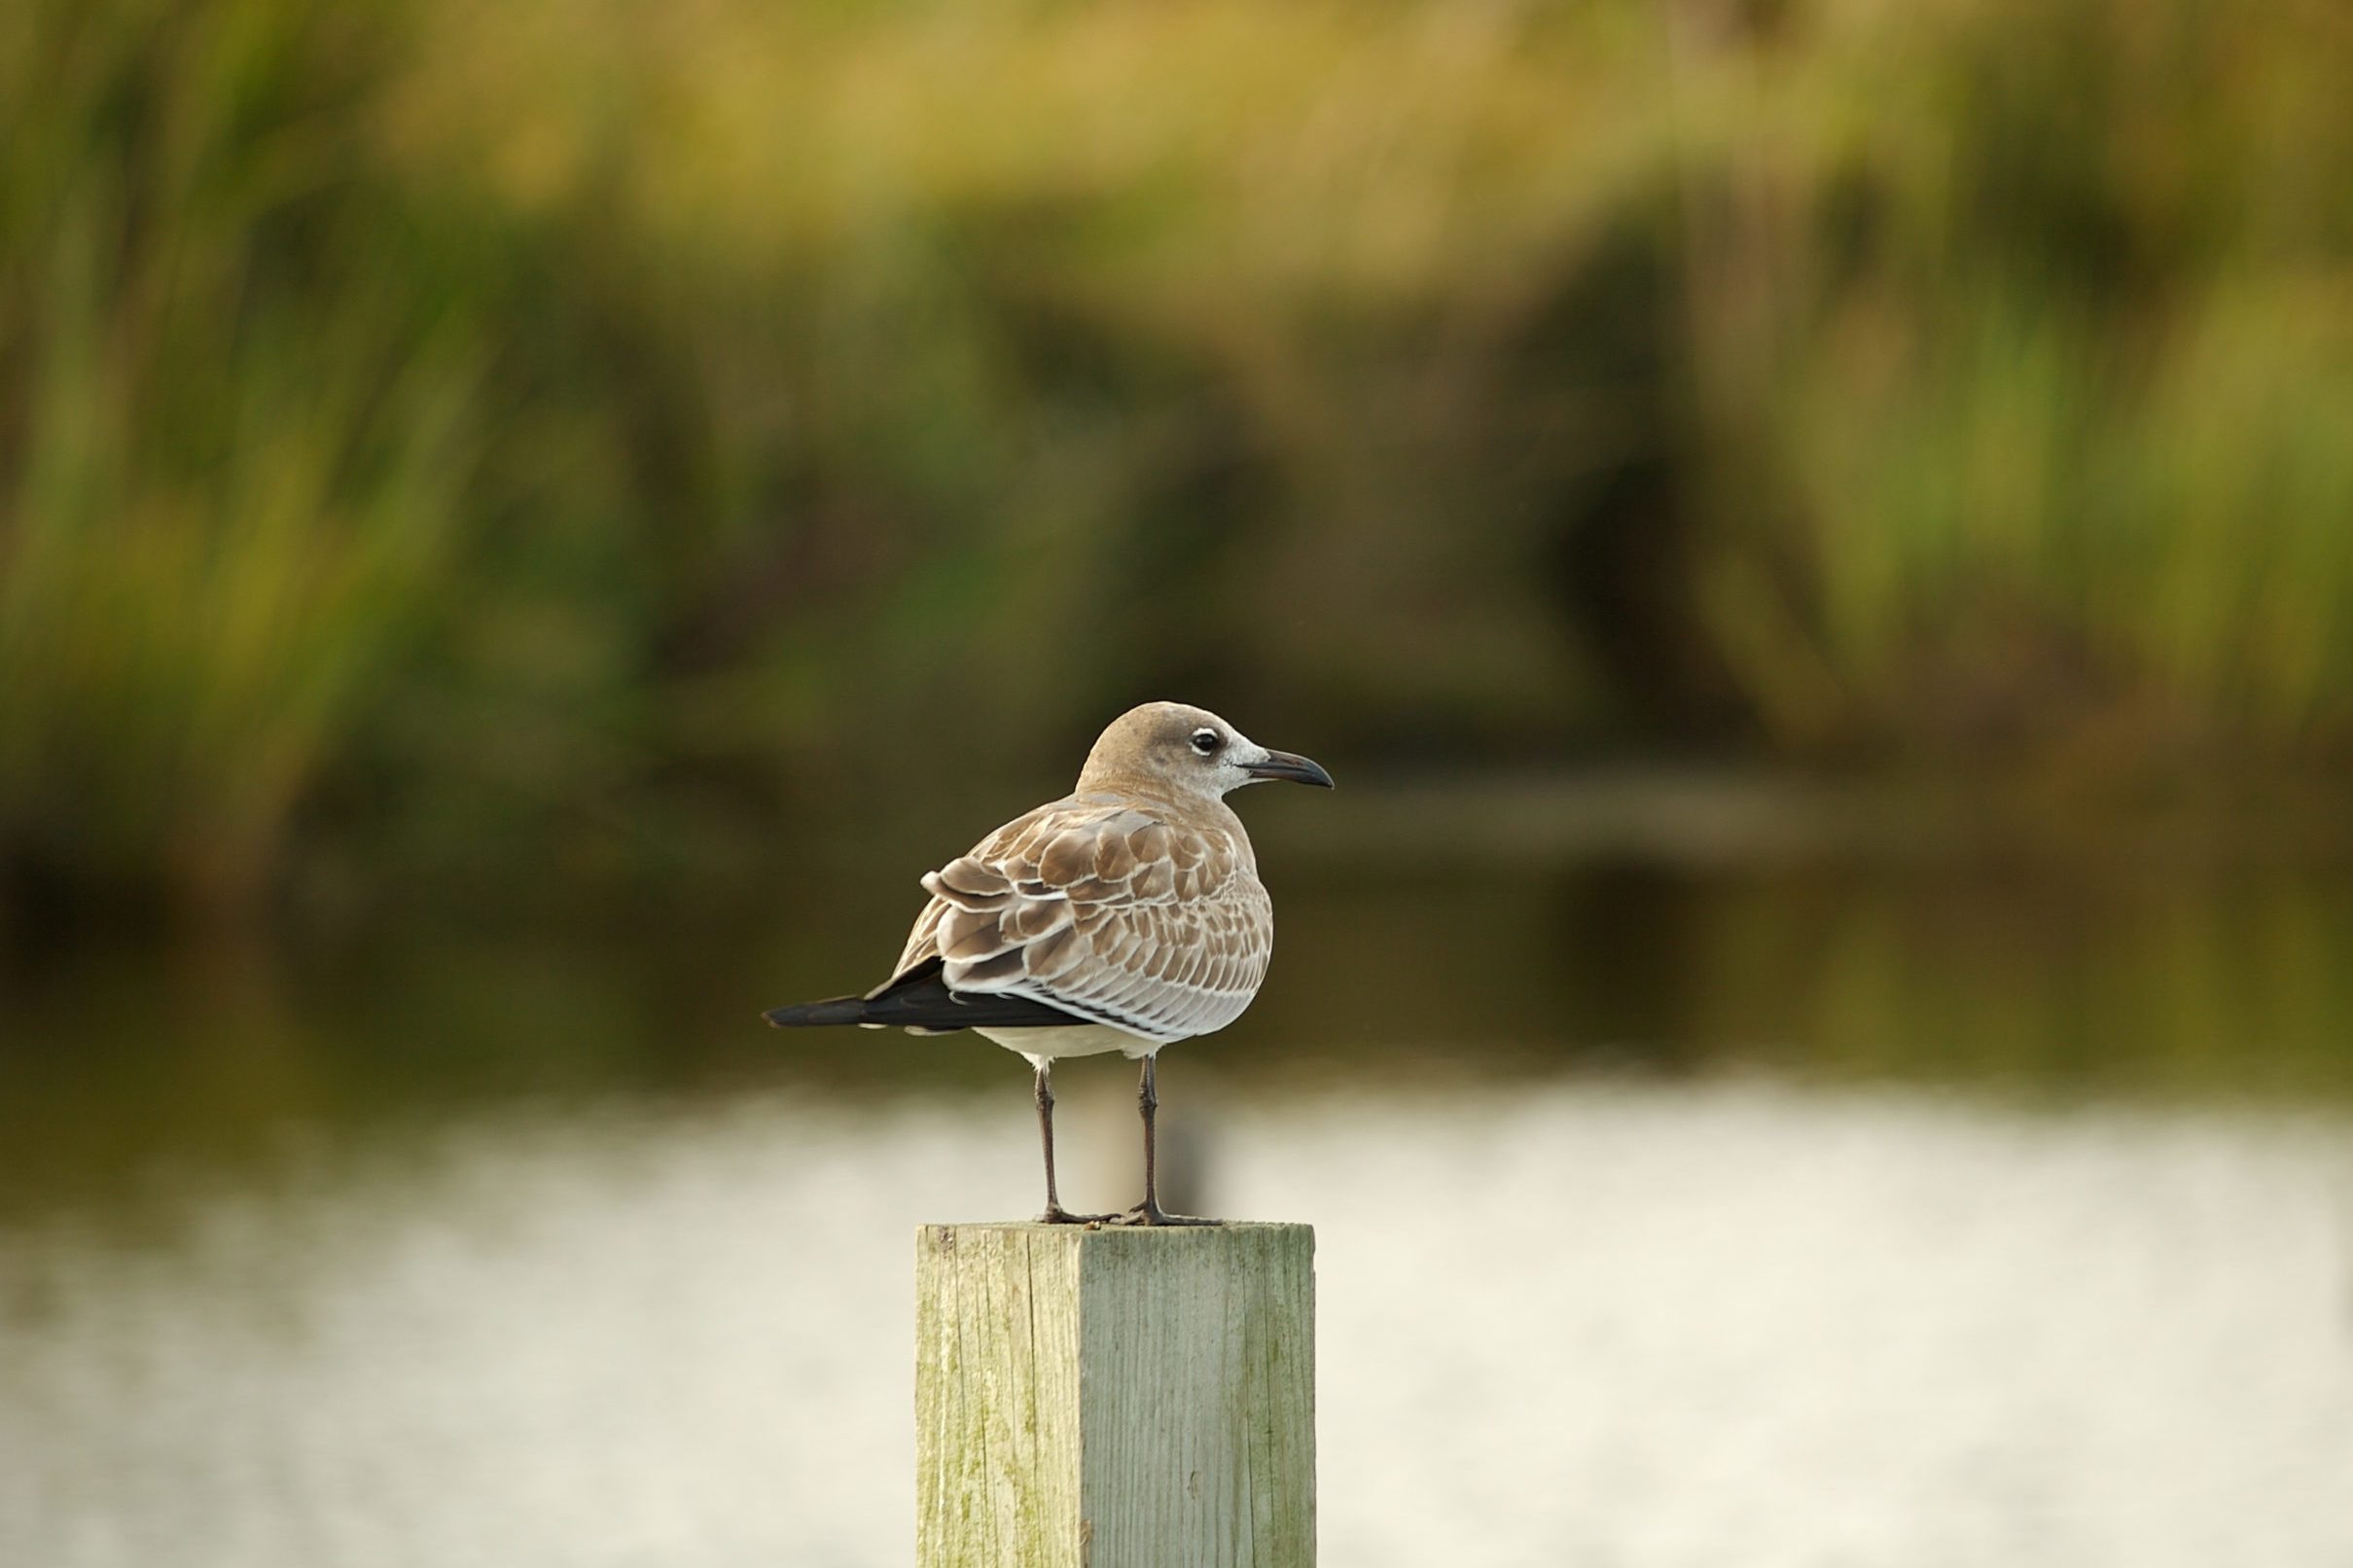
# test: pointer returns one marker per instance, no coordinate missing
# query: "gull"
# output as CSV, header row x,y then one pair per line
x,y
1125,917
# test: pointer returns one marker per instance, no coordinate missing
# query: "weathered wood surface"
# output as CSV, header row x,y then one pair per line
x,y
1118,1397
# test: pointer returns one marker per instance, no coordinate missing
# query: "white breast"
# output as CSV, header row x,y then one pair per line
x,y
1072,1040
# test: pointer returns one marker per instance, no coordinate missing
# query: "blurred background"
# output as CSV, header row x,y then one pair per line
x,y
1816,536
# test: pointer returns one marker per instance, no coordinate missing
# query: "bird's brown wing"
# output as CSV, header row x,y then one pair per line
x,y
1114,914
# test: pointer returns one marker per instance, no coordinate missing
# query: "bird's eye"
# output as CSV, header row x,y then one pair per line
x,y
1207,741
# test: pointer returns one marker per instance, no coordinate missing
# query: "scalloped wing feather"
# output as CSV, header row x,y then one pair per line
x,y
1158,927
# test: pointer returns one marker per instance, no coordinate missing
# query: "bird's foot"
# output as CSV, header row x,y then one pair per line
x,y
1057,1214
1152,1214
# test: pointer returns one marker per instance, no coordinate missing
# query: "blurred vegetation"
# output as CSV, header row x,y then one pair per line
x,y
550,439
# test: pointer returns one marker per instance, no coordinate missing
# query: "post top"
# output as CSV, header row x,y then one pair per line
x,y
1036,1227
945,1233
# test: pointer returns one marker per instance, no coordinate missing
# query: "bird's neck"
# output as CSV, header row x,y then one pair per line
x,y
1120,784
1159,797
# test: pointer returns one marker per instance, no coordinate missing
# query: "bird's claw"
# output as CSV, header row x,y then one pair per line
x,y
1055,1214
1149,1214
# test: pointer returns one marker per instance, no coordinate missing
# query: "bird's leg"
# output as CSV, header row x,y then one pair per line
x,y
1054,1213
1150,1212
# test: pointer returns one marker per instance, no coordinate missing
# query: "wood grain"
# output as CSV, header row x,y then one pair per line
x,y
1117,1398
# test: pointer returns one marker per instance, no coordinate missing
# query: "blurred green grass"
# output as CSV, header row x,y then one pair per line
x,y
565,439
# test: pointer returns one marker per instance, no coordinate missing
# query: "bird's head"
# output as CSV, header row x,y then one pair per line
x,y
1189,751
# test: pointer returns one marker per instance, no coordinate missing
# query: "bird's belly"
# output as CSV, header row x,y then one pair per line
x,y
1071,1039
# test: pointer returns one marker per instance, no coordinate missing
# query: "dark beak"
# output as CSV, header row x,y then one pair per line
x,y
1286,765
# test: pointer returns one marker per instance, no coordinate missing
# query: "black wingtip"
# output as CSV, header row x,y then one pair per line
x,y
920,999
807,1014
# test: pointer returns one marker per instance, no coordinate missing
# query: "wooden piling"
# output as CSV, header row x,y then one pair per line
x,y
1115,1398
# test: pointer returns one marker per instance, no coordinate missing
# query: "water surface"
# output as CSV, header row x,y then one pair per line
x,y
1574,1323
